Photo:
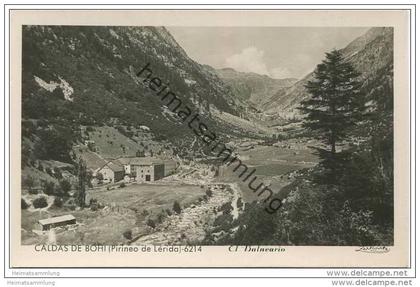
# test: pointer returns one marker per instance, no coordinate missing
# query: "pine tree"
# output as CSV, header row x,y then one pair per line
x,y
82,174
335,106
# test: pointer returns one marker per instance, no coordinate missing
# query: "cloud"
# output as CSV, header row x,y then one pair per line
x,y
251,59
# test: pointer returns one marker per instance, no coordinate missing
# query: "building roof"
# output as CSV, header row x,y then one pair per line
x,y
92,159
139,160
124,160
114,165
56,219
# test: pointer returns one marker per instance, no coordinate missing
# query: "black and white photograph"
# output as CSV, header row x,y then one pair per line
x,y
207,135
210,139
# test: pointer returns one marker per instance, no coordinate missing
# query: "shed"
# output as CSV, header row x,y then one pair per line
x,y
48,223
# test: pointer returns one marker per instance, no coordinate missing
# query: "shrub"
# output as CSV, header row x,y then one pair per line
x,y
93,203
40,202
33,191
224,222
29,182
47,170
91,147
70,169
239,203
161,217
177,207
226,208
49,188
65,186
58,202
40,167
140,153
57,173
209,192
122,185
257,226
151,223
99,176
23,204
128,234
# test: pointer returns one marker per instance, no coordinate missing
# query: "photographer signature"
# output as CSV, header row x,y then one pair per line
x,y
373,249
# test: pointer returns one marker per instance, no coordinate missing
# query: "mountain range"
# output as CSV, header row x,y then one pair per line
x,y
252,87
74,76
371,54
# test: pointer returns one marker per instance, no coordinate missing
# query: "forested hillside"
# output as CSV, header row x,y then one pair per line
x,y
251,87
348,198
77,77
371,55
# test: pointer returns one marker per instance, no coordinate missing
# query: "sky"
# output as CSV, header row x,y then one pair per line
x,y
279,52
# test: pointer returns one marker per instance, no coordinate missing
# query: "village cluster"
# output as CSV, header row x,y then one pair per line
x,y
129,169
108,172
146,168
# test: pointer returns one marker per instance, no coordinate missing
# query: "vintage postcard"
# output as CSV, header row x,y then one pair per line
x,y
178,138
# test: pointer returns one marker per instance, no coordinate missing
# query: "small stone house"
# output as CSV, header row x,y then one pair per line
x,y
143,169
111,172
150,172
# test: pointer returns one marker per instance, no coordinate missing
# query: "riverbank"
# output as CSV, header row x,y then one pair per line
x,y
193,223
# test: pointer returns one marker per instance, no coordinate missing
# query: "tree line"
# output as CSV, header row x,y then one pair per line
x,y
347,199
